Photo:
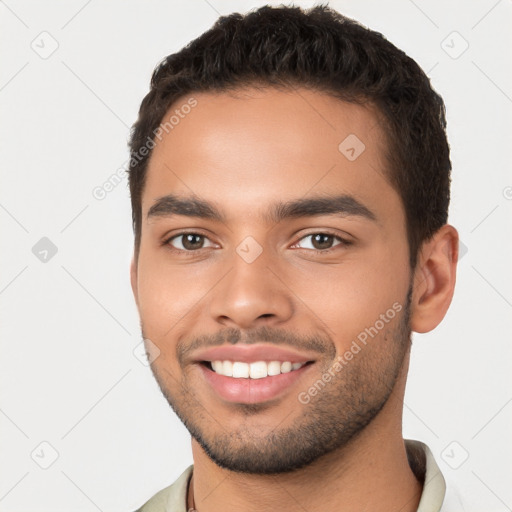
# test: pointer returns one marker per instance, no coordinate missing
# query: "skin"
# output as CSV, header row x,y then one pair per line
x,y
244,151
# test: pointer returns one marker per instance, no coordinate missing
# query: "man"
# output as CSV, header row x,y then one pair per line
x,y
290,186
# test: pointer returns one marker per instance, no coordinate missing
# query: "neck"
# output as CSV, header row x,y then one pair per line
x,y
369,473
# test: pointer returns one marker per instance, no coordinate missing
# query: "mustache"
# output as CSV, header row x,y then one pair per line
x,y
323,345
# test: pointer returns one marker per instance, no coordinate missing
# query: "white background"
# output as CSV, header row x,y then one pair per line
x,y
69,325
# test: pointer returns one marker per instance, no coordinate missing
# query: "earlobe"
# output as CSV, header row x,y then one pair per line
x,y
434,279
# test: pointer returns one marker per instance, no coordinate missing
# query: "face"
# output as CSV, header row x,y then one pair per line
x,y
273,276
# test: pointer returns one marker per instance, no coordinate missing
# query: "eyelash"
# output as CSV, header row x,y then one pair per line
x,y
343,242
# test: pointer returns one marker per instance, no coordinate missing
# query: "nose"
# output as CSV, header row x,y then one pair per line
x,y
252,294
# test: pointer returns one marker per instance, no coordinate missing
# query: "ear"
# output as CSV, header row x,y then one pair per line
x,y
133,280
434,279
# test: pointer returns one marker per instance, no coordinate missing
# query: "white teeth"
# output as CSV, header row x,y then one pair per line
x,y
227,368
286,367
217,366
240,370
274,368
256,370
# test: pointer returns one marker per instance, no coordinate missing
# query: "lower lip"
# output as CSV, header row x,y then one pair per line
x,y
252,391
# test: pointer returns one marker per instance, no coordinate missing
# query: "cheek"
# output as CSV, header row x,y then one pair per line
x,y
166,295
350,297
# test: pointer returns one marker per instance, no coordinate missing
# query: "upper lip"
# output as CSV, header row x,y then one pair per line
x,y
251,353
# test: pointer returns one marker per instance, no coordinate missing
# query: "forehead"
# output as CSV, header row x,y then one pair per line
x,y
253,147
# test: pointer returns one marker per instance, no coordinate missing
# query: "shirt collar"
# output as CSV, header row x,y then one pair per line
x,y
425,468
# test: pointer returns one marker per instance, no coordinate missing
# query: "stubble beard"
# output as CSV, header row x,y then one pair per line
x,y
329,422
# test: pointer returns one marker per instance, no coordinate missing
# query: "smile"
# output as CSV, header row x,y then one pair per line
x,y
255,370
255,382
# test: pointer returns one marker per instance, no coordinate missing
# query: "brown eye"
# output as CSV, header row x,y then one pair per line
x,y
188,241
321,241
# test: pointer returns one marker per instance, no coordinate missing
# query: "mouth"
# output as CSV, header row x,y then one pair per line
x,y
239,382
253,373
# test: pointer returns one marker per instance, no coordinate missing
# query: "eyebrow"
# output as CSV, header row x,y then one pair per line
x,y
342,205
